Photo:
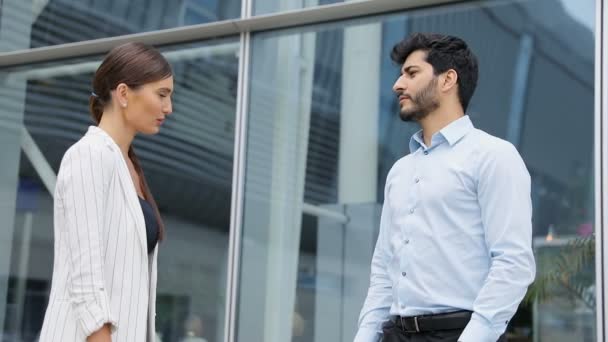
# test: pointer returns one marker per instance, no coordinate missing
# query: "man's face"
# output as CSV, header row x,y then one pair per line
x,y
416,88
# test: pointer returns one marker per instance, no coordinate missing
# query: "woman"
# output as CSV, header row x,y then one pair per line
x,y
107,224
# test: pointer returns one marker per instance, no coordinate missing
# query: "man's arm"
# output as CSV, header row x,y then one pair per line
x,y
379,296
506,209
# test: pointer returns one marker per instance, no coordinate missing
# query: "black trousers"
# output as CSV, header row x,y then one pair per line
x,y
392,333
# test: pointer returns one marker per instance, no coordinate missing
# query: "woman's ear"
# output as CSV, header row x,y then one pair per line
x,y
122,91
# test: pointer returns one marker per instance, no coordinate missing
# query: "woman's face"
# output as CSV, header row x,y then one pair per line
x,y
146,107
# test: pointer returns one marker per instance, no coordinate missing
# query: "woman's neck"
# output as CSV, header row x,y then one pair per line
x,y
118,130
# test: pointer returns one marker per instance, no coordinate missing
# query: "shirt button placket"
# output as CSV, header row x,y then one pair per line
x,y
406,241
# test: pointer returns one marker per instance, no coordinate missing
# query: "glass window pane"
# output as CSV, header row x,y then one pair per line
x,y
272,6
323,132
188,166
30,24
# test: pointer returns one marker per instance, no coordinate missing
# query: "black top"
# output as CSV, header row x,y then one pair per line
x,y
151,223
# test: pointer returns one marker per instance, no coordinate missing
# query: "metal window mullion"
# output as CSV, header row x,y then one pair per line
x,y
238,182
247,8
600,166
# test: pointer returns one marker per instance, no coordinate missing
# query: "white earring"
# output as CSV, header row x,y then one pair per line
x,y
124,105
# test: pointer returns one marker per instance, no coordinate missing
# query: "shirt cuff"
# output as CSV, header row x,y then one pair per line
x,y
478,331
367,335
93,313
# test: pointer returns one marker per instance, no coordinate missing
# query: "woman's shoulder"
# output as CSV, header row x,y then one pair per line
x,y
89,158
93,148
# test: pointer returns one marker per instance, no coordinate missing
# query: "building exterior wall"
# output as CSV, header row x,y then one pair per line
x,y
270,172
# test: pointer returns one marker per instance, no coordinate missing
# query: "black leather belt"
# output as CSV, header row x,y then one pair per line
x,y
425,323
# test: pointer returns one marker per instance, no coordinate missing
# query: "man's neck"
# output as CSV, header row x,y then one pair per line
x,y
436,121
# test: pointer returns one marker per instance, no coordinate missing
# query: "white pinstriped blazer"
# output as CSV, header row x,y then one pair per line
x,y
102,272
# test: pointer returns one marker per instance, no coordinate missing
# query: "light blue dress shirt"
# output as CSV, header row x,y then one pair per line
x,y
455,234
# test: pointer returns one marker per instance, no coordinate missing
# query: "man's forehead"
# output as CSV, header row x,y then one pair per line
x,y
416,58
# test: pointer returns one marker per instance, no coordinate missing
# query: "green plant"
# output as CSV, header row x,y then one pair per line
x,y
572,271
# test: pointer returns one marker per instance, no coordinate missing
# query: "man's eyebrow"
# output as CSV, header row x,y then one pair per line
x,y
409,68
166,90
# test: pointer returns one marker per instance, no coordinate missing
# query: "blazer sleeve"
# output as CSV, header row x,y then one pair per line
x,y
83,181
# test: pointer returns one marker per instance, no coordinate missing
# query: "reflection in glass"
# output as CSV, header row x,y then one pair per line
x,y
324,131
271,6
188,167
42,23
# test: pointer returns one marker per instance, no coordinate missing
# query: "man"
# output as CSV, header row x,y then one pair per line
x,y
453,258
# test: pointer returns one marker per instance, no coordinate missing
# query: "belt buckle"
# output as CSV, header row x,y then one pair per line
x,y
415,325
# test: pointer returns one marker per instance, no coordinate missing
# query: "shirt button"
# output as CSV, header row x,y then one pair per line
x,y
426,153
417,180
403,274
412,211
407,241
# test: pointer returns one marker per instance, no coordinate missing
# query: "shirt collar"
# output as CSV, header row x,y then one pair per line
x,y
452,133
94,130
416,141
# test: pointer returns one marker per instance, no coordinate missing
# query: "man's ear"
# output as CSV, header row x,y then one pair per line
x,y
450,80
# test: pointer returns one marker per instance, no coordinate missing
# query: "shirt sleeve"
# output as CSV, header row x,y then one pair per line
x,y
82,181
506,210
379,296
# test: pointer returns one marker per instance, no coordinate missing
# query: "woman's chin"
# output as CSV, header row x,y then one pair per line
x,y
150,130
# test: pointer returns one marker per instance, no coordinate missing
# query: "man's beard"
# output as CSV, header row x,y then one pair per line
x,y
424,102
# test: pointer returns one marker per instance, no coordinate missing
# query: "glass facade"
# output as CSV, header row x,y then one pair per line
x,y
188,167
321,132
324,131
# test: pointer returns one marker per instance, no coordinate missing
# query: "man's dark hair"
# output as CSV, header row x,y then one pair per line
x,y
443,53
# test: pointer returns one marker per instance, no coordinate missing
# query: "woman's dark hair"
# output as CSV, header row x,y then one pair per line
x,y
443,53
133,64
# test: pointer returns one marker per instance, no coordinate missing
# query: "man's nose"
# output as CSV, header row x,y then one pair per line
x,y
399,85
